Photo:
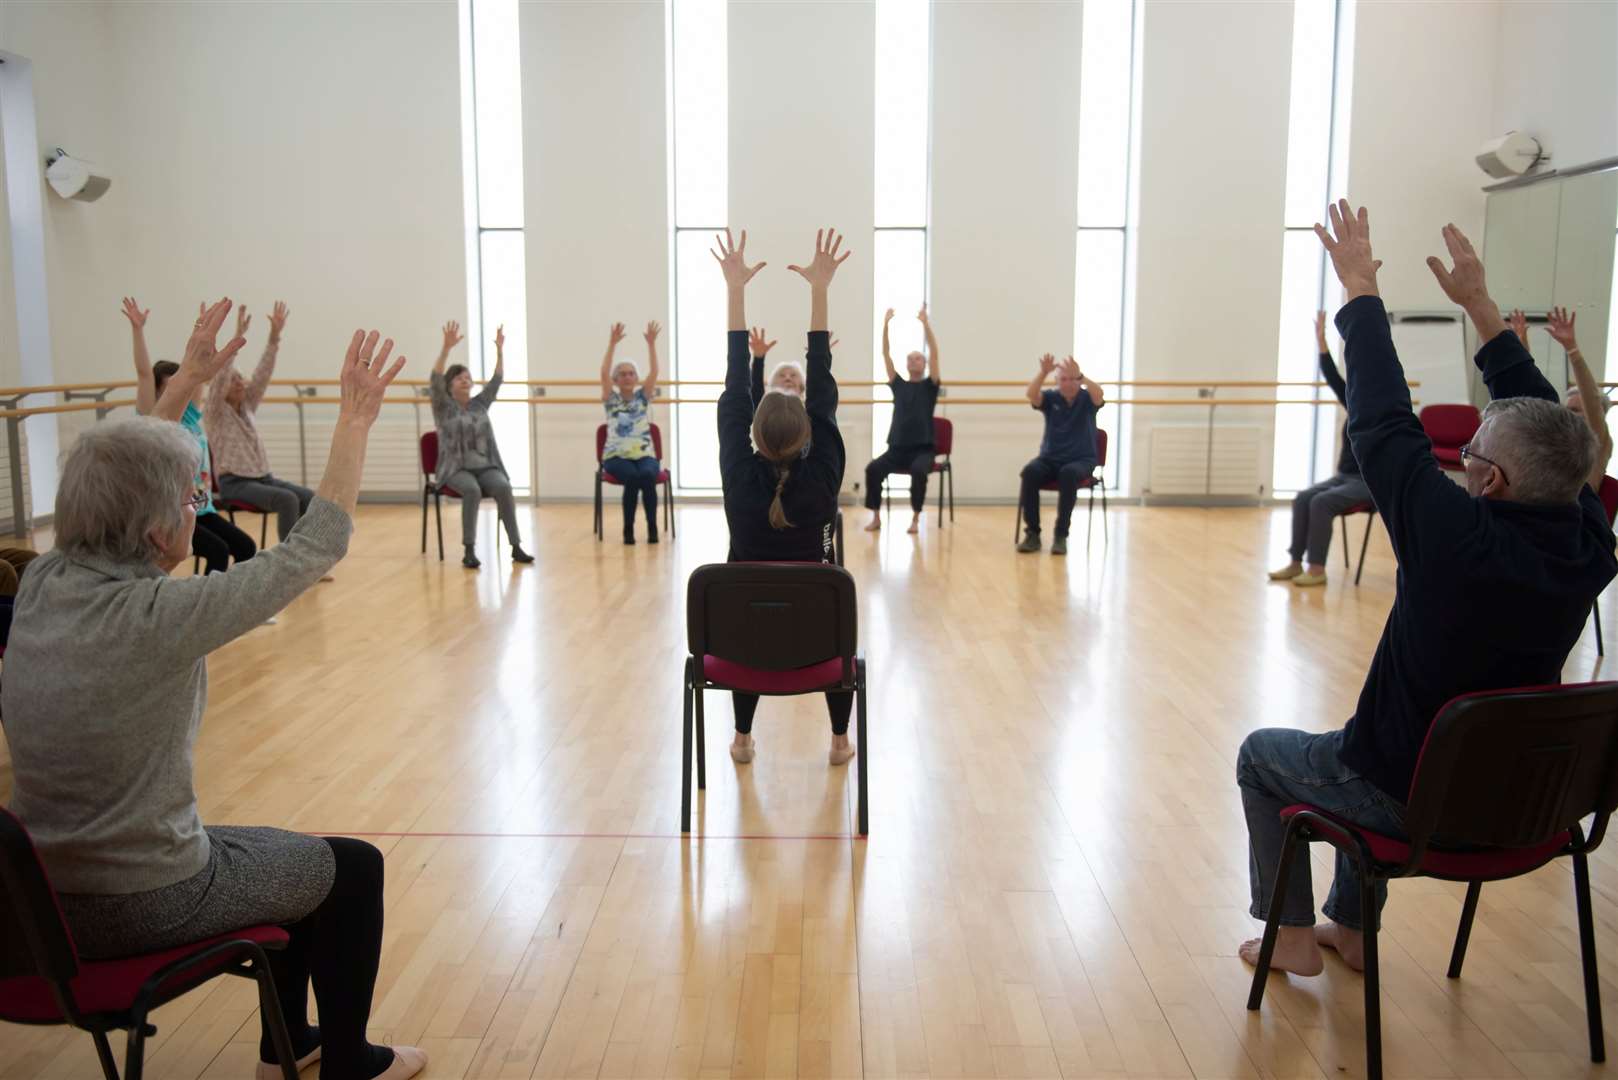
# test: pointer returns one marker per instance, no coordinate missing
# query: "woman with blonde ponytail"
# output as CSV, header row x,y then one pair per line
x,y
781,465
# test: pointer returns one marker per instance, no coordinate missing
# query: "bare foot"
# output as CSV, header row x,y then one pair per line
x,y
1347,944
915,525
741,749
841,750
1295,951
876,523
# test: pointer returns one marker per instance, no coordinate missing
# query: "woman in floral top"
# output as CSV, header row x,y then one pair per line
x,y
468,459
629,456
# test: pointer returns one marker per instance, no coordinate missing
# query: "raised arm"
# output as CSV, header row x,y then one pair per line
x,y
759,345
1036,385
1328,369
1508,367
145,392
887,354
648,385
452,338
203,360
1519,326
614,336
1091,387
491,389
217,401
1560,325
932,344
735,408
820,393
260,382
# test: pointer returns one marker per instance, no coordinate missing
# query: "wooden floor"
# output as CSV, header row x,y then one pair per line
x,y
1055,880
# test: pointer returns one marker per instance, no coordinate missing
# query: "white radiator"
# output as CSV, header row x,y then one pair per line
x,y
1180,463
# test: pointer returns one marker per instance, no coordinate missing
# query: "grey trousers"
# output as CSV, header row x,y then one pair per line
x,y
473,486
288,501
1316,509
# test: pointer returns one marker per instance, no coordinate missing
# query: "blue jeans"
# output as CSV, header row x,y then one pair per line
x,y
1279,767
639,477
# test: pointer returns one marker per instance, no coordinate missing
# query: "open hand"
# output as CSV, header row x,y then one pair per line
x,y
826,261
452,335
1465,283
278,318
756,342
203,358
1349,245
1519,325
242,319
1047,364
652,330
365,379
1559,324
732,260
132,312
921,316
1071,367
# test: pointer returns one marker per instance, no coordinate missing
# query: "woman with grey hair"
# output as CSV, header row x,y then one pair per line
x,y
628,455
468,459
106,685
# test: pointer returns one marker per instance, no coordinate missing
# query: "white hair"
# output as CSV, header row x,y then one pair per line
x,y
793,364
1550,450
630,364
121,481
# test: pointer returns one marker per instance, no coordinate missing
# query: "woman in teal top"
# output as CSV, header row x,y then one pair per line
x,y
629,455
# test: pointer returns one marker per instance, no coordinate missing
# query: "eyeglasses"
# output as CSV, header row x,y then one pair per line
x,y
196,501
1467,452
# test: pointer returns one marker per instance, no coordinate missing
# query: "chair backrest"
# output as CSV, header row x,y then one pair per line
x,y
773,616
601,442
34,937
1101,448
943,436
1513,768
1609,496
213,477
1450,425
429,453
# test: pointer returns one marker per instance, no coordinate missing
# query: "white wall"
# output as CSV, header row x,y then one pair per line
x,y
595,211
1556,77
1004,214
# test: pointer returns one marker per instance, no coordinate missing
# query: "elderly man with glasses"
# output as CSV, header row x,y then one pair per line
x,y
1495,583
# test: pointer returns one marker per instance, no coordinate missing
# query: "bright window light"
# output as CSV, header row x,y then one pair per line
x,y
505,300
1309,112
699,342
1104,101
903,48
497,75
900,274
701,151
1098,333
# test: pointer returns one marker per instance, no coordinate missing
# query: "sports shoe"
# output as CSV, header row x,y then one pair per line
x,y
1059,546
518,555
1287,572
1029,543
1309,581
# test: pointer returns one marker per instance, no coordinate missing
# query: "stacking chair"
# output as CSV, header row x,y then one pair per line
x,y
663,477
1609,499
1368,509
774,629
43,981
437,489
232,507
943,443
1094,481
1554,749
1449,427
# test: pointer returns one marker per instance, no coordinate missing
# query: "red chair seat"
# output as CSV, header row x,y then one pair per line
x,y
1448,458
110,986
1087,482
608,478
939,466
1361,508
1485,865
239,506
827,673
445,489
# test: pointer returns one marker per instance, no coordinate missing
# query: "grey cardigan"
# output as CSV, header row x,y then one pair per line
x,y
105,684
458,427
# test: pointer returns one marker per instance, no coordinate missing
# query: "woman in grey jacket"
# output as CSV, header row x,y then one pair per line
x,y
106,684
468,459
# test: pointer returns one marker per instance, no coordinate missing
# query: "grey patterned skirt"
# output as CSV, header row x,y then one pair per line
x,y
254,875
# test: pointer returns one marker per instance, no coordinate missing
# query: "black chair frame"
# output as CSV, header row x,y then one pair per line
x,y
1099,482
601,479
946,476
1364,543
1434,810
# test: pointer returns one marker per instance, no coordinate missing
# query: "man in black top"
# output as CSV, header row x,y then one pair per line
x,y
1317,508
910,433
1495,583
1067,453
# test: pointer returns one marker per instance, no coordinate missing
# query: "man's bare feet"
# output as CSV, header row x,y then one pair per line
x,y
875,524
1295,951
841,750
1347,944
741,749
915,524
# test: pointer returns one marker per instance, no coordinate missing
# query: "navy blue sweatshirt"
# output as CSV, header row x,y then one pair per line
x,y
1346,465
1490,594
748,479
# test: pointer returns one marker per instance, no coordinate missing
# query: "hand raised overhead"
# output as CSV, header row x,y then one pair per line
x,y
757,343
203,357
365,377
652,330
1465,283
1047,364
1559,324
732,260
242,319
452,335
132,312
824,266
1349,244
278,318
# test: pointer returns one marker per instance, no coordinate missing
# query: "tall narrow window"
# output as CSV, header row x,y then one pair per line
x,y
491,112
903,144
1109,159
698,207
1317,163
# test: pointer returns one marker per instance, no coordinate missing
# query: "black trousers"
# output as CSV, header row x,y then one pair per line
x,y
839,704
338,947
217,541
915,460
1068,476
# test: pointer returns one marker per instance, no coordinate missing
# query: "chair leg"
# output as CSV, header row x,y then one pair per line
x,y
950,472
1364,545
598,524
263,530
1089,518
1272,924
702,729
1344,520
860,749
668,506
438,519
270,1005
1463,933
1016,525
1587,949
685,770
1373,978
941,498
1595,609
109,1067
1101,482
424,519
135,1050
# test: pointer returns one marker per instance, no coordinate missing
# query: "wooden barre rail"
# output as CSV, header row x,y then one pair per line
x,y
1189,384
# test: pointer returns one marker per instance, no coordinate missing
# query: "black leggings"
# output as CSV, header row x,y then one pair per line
x,y
216,541
338,946
839,704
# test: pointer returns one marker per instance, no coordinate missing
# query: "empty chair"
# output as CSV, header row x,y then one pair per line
x,y
1554,749
1450,427
773,629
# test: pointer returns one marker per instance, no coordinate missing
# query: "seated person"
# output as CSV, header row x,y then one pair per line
x,y
1560,325
628,455
910,432
239,457
1067,453
1495,585
1316,508
105,690
13,561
